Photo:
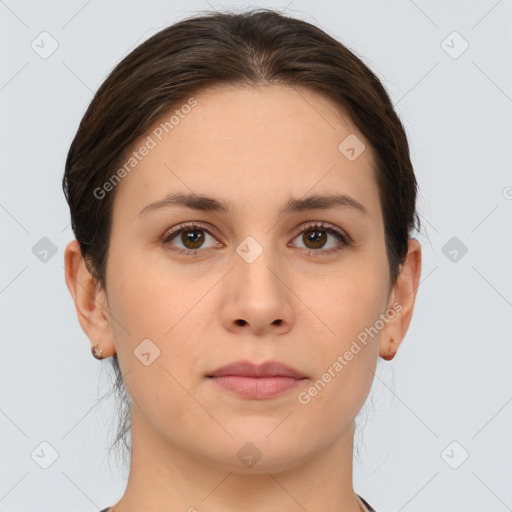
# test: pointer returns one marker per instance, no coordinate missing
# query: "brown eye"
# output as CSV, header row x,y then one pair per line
x,y
316,236
192,237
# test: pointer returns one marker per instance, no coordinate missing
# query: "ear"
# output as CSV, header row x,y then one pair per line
x,y
401,302
90,301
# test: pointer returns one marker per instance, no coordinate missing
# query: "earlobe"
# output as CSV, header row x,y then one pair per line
x,y
89,301
404,296
392,349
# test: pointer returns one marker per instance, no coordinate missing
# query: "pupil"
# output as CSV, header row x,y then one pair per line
x,y
192,236
317,238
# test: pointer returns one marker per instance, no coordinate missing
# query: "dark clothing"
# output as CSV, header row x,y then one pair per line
x,y
368,506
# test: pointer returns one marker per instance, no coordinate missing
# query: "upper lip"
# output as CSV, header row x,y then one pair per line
x,y
249,369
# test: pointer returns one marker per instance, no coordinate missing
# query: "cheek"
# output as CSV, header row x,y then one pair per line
x,y
343,358
146,307
349,303
170,312
149,304
347,346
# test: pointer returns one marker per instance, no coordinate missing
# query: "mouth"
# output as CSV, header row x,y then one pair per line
x,y
253,381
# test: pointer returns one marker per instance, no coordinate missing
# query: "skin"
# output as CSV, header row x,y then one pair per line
x,y
255,148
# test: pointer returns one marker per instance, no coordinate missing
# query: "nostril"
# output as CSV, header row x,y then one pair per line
x,y
241,322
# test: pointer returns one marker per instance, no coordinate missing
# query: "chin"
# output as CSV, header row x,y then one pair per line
x,y
257,452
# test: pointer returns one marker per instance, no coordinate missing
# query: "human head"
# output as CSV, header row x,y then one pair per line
x,y
250,49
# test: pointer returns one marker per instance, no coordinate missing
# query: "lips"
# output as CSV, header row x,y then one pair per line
x,y
249,369
248,380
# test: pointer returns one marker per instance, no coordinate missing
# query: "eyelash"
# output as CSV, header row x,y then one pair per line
x,y
315,226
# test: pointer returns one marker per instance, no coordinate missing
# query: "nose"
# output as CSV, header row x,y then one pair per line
x,y
257,298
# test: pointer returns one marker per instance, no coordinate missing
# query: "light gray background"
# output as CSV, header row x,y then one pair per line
x,y
451,378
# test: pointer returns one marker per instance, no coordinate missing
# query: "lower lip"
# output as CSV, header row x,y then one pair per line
x,y
256,387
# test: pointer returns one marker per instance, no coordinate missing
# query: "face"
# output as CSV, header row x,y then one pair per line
x,y
193,289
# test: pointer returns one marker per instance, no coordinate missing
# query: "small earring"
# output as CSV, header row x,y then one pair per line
x,y
97,351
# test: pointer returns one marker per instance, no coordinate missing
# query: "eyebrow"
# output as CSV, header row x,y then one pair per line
x,y
205,203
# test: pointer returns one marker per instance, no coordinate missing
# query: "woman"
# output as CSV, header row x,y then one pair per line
x,y
242,198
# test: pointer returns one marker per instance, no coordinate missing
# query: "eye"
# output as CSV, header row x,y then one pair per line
x,y
316,235
191,236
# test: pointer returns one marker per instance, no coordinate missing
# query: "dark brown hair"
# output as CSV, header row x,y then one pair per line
x,y
251,48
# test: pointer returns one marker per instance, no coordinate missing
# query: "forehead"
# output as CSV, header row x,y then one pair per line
x,y
250,144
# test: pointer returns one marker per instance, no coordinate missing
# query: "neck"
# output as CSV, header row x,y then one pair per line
x,y
163,477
